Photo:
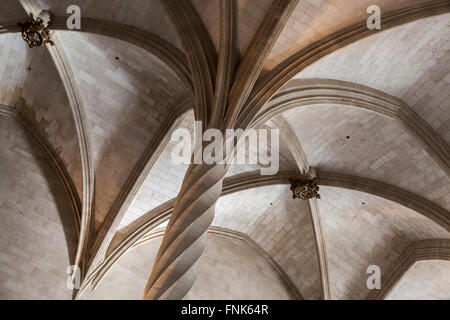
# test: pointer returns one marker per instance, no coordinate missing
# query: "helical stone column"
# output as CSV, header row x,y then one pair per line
x,y
174,269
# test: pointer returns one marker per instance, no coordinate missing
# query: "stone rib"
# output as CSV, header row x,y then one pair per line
x,y
184,241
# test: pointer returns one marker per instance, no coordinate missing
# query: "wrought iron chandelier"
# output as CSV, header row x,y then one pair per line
x,y
304,188
35,33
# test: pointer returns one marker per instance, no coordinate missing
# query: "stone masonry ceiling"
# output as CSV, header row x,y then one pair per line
x,y
87,176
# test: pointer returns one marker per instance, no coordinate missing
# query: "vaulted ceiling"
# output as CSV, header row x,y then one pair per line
x,y
369,111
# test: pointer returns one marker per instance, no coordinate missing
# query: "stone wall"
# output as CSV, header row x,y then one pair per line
x,y
250,14
11,9
37,229
361,230
425,280
43,103
162,183
410,62
229,269
366,144
146,15
126,103
312,20
281,226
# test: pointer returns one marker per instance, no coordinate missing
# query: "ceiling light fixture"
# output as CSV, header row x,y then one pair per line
x,y
35,32
304,188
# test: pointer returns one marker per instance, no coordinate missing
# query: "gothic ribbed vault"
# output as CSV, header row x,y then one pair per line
x,y
85,133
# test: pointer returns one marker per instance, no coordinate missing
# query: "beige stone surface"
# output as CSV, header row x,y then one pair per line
x,y
148,15
10,10
129,95
43,103
209,12
411,62
313,20
377,148
163,181
250,14
425,280
37,236
286,161
126,102
362,230
229,269
165,178
13,69
281,226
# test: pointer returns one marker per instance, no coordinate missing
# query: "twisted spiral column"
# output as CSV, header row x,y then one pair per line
x,y
174,269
